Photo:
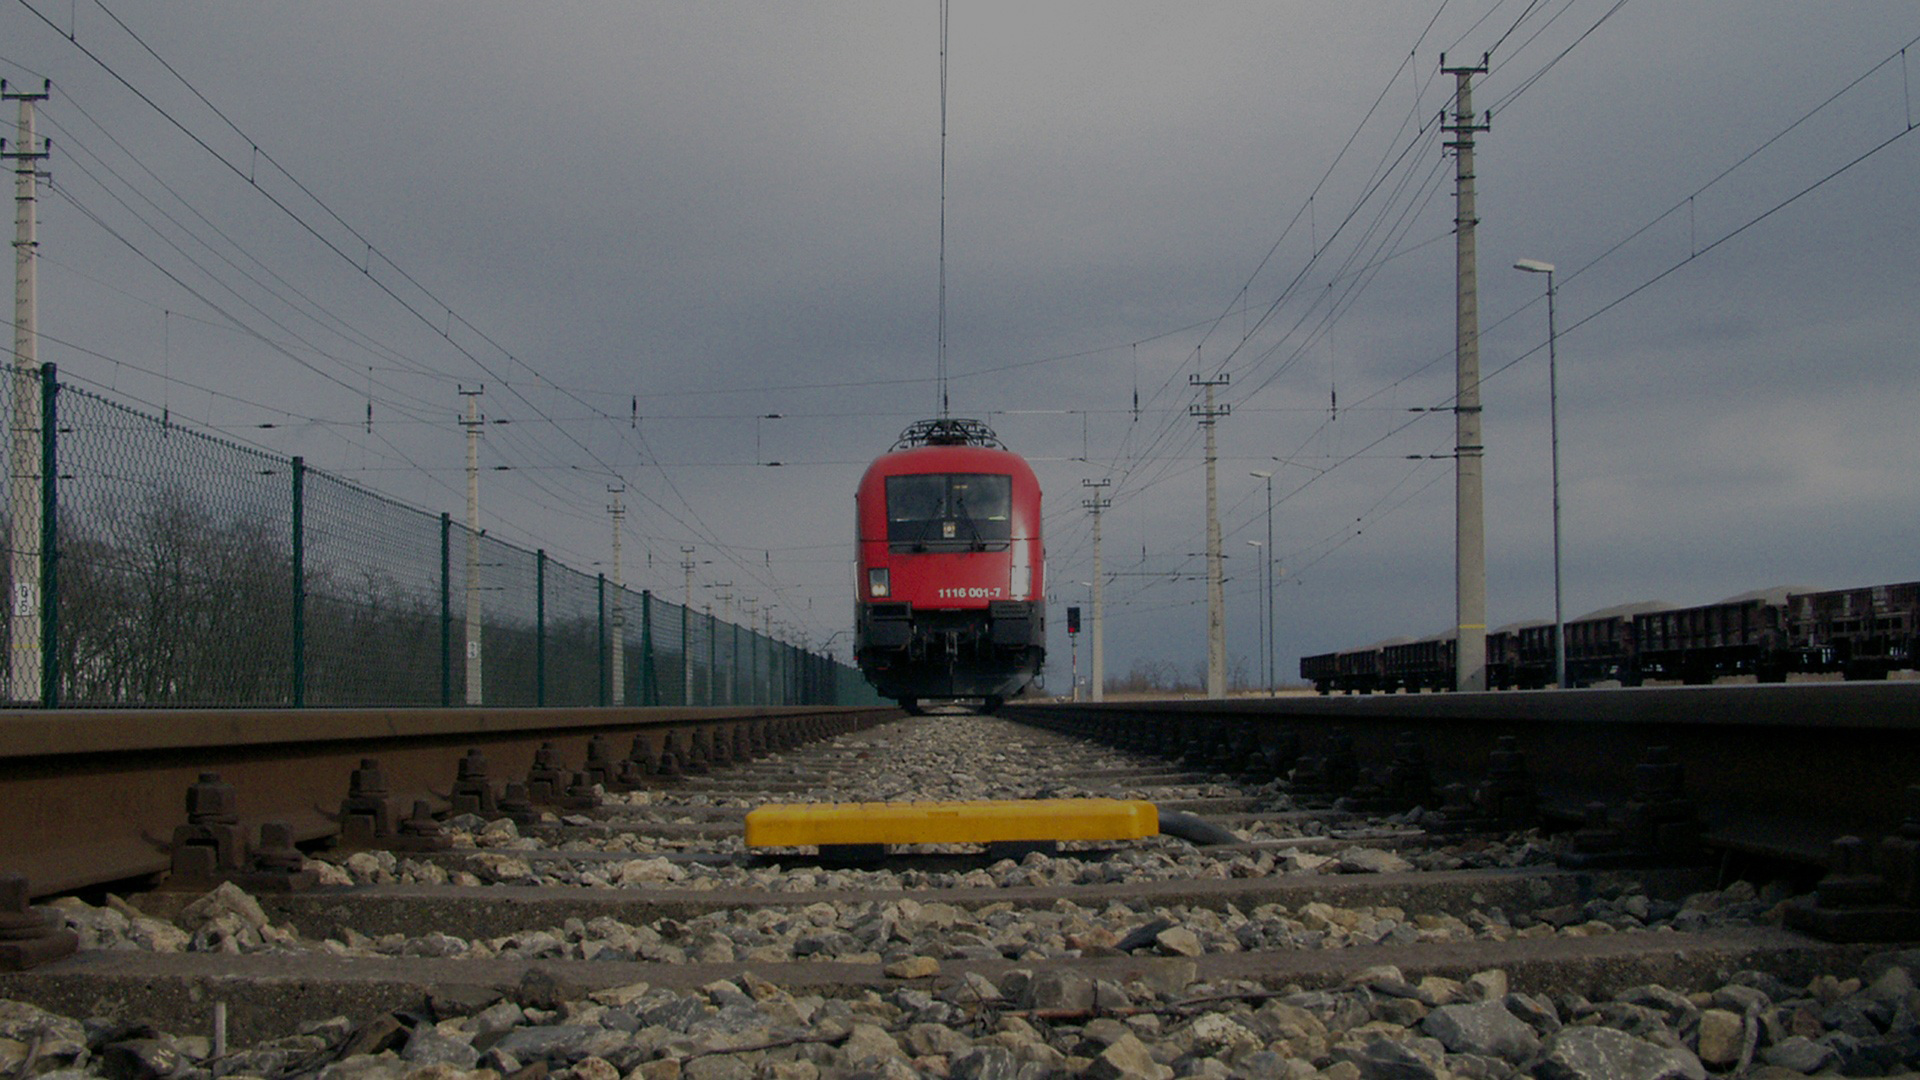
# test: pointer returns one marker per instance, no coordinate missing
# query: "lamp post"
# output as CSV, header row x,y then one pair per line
x,y
1267,569
1535,266
1261,547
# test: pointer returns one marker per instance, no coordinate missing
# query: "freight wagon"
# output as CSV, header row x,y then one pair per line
x,y
1863,633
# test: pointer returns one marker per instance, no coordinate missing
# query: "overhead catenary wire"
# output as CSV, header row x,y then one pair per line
x,y
1696,250
1328,313
941,333
369,261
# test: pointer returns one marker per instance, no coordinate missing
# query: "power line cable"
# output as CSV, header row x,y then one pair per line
x,y
365,266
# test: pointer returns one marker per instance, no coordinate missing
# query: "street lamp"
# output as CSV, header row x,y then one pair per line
x,y
1267,569
1535,266
1260,611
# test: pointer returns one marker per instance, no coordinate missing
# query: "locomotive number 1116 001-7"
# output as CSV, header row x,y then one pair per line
x,y
970,594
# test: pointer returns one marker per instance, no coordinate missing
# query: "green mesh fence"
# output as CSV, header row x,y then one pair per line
x,y
372,571
669,655
509,622
186,570
572,638
175,564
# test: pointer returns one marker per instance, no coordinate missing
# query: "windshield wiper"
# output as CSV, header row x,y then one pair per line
x,y
979,539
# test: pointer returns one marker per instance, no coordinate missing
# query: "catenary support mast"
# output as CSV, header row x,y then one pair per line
x,y
618,665
686,621
1216,587
1470,548
475,687
24,506
1096,505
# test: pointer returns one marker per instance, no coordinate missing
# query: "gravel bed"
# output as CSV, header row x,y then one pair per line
x,y
1037,1021
504,861
1034,1023
228,920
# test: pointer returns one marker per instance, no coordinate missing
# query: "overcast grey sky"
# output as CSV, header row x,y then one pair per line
x,y
721,211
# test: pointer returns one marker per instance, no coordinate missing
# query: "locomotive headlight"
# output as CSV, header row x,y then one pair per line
x,y
878,582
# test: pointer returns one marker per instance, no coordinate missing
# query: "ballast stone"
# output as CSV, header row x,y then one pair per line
x,y
1599,1053
1219,1035
868,1042
1723,1037
984,1063
1179,941
428,1046
1128,1059
1486,1029
1359,860
1060,990
62,1041
1383,1058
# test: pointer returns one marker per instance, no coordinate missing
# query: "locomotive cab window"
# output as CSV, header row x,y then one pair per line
x,y
949,512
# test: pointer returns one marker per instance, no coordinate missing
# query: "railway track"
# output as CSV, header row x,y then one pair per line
x,y
1336,932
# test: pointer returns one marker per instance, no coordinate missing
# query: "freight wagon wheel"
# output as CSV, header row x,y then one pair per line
x,y
911,706
991,706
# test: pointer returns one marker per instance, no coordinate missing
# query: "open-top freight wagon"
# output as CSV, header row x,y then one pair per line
x,y
1863,633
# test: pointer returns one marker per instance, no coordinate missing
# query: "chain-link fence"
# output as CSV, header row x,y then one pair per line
x,y
148,565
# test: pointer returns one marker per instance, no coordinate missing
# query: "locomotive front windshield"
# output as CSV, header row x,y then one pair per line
x,y
949,512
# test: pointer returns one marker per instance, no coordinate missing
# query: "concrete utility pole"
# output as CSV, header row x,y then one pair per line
x,y
1096,505
618,667
1216,590
1470,542
686,620
472,424
23,452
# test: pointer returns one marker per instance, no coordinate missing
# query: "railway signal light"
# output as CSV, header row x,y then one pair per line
x,y
1073,620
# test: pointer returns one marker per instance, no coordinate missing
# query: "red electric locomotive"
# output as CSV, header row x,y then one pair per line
x,y
950,568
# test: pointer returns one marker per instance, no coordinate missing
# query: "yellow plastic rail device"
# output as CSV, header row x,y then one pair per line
x,y
801,824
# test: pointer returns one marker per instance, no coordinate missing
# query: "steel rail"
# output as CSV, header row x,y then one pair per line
x,y
1774,770
93,797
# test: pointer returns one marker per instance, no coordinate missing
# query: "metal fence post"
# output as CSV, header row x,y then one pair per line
x,y
649,688
600,598
49,539
446,610
299,582
540,627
